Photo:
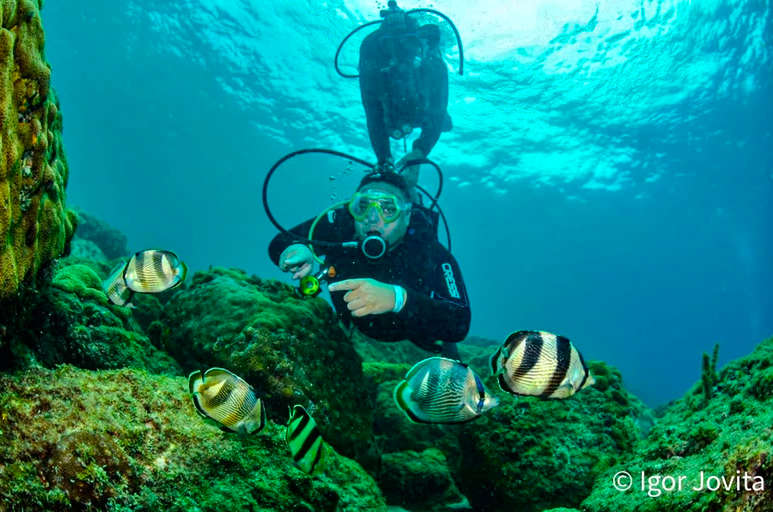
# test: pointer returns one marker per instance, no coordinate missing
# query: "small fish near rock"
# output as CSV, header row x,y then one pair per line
x,y
228,400
115,287
540,364
154,271
443,391
309,450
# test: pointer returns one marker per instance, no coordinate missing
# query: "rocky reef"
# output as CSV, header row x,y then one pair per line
x,y
711,451
291,350
35,225
127,440
95,414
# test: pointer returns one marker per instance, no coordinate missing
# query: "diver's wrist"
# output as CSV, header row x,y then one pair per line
x,y
400,296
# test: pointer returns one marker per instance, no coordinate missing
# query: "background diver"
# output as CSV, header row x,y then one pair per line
x,y
403,85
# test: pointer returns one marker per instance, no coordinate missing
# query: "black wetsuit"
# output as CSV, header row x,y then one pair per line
x,y
436,308
399,94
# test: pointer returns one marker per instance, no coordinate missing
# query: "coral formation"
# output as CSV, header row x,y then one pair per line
x,y
35,226
126,440
725,442
291,350
709,377
110,435
72,321
519,454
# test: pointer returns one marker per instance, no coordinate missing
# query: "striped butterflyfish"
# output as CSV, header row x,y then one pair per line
x,y
228,400
306,445
440,390
154,271
115,287
537,363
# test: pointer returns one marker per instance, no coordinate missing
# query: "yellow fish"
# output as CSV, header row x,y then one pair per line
x,y
154,271
227,399
115,287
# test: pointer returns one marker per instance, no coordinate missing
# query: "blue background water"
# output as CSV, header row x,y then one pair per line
x,y
609,176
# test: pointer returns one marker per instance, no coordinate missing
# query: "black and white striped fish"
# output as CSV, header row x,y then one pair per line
x,y
154,271
537,363
228,400
440,390
306,445
115,287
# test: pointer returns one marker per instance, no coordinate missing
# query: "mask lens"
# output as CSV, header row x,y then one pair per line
x,y
387,207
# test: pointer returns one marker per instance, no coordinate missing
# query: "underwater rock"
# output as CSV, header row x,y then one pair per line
x,y
73,322
420,482
529,454
126,440
85,249
35,226
110,241
291,350
723,446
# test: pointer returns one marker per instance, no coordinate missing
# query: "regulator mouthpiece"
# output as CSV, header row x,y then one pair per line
x,y
374,247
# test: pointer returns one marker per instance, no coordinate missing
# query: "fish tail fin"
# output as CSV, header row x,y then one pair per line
x,y
256,419
195,379
398,395
183,271
493,361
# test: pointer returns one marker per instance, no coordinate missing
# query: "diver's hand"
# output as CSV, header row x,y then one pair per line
x,y
296,258
367,296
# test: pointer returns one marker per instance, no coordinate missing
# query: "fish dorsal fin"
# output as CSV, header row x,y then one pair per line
x,y
213,373
418,366
515,339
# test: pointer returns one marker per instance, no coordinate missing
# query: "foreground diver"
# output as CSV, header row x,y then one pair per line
x,y
403,85
413,290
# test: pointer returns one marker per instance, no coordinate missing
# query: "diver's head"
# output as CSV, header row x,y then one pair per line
x,y
382,207
430,34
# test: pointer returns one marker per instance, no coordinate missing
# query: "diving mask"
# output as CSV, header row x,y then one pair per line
x,y
387,206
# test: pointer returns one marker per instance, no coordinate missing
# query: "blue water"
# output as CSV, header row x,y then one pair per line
x,y
609,176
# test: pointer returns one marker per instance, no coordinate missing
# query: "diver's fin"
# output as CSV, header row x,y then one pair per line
x,y
448,124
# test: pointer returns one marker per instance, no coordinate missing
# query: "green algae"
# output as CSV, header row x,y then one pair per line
x,y
128,440
729,435
289,349
519,454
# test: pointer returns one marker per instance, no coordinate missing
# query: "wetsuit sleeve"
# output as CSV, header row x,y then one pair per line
x,y
438,105
371,89
445,315
324,230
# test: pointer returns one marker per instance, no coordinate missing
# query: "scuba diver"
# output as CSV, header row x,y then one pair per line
x,y
403,85
398,282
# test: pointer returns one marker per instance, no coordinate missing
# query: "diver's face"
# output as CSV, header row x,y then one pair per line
x,y
373,223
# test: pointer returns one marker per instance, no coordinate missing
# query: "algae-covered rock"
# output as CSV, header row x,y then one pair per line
x,y
35,227
73,322
125,440
109,241
521,453
86,249
291,350
420,482
729,436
